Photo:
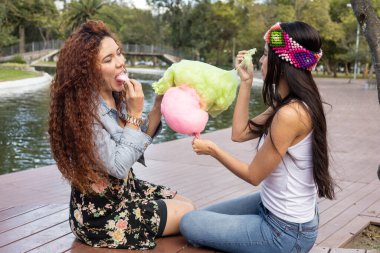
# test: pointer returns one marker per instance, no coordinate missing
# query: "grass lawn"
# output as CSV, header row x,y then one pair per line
x,y
14,74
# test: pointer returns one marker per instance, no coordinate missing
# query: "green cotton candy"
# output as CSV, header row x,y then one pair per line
x,y
216,87
248,58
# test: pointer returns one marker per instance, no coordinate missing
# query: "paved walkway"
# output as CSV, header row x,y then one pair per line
x,y
354,138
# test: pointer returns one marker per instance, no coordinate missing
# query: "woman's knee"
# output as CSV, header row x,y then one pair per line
x,y
177,209
186,200
191,223
186,223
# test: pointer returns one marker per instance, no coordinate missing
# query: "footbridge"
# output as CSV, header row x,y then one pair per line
x,y
39,53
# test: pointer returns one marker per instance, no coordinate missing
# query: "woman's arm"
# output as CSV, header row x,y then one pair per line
x,y
119,151
240,126
154,117
285,129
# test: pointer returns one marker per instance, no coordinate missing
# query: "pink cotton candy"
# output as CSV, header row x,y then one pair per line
x,y
182,110
122,77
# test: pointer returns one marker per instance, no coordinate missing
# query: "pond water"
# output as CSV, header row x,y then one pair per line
x,y
24,123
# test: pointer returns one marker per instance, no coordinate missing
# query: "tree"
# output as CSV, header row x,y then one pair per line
x,y
317,14
44,19
370,25
24,14
213,26
6,37
78,12
177,15
18,14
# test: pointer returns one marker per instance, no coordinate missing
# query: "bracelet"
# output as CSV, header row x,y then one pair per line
x,y
133,120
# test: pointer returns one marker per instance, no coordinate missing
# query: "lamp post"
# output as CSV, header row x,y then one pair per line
x,y
356,47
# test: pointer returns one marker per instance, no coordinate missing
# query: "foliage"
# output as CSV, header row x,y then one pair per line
x,y
210,30
18,17
6,37
17,59
80,11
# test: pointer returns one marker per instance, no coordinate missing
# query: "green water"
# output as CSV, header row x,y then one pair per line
x,y
24,122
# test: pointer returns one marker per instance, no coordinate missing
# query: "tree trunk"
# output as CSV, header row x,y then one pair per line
x,y
329,67
370,73
370,24
21,31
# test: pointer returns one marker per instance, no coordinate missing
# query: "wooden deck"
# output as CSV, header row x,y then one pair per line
x,y
34,203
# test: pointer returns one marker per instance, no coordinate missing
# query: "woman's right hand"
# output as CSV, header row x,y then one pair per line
x,y
134,98
246,74
204,147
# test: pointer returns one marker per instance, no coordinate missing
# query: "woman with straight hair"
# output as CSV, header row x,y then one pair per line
x,y
98,131
292,159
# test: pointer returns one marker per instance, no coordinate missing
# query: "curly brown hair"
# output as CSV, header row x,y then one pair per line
x,y
73,108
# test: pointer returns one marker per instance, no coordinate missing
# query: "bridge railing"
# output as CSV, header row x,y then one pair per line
x,y
31,47
57,44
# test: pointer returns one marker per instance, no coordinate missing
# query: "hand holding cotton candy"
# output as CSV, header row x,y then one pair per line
x,y
206,85
181,108
216,87
247,58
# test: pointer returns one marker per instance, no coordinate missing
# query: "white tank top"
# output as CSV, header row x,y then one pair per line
x,y
290,192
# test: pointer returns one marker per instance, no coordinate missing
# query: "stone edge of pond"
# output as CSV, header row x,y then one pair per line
x,y
26,82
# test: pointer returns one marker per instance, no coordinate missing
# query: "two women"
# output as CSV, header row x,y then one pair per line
x,y
98,131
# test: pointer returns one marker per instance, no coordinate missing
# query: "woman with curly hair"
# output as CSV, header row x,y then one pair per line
x,y
292,160
97,132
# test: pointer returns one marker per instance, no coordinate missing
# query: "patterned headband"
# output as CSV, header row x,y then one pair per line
x,y
289,50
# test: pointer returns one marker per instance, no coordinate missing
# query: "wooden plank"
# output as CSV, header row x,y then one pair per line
x,y
164,245
30,216
340,220
346,233
340,250
60,244
218,193
34,227
5,208
342,185
191,249
319,250
340,196
348,203
37,239
374,210
16,211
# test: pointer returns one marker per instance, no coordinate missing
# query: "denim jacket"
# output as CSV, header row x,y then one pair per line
x,y
119,148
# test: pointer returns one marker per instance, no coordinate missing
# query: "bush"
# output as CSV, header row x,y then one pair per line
x,y
17,59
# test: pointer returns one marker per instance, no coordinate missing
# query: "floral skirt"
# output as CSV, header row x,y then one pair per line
x,y
121,214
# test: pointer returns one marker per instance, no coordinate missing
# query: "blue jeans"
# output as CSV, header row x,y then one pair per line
x,y
245,225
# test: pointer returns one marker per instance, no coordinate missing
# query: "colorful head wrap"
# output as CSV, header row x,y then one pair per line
x,y
289,50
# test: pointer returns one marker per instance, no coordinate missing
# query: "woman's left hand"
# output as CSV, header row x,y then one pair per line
x,y
203,147
245,73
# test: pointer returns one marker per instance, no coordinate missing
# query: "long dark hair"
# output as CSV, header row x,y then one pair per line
x,y
302,88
